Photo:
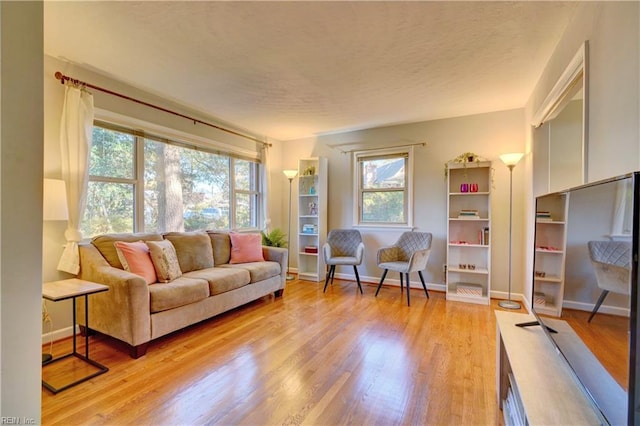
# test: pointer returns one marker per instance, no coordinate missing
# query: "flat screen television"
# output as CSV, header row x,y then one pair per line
x,y
587,240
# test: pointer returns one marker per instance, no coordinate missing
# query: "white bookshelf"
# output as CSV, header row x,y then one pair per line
x,y
550,253
468,269
312,217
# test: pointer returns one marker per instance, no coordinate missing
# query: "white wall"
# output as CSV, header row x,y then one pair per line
x,y
613,32
488,135
20,209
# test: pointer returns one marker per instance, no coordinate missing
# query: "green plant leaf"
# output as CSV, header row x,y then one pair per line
x,y
274,238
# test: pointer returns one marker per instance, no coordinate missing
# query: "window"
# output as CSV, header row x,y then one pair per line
x,y
383,187
112,182
150,184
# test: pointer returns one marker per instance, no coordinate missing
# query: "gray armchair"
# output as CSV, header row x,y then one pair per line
x,y
343,247
611,261
409,254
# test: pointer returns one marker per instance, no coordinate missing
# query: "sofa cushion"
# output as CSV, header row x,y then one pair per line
x,y
194,250
104,244
258,271
246,248
222,280
179,292
165,260
221,244
135,258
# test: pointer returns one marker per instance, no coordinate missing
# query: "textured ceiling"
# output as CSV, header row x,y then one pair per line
x,y
294,69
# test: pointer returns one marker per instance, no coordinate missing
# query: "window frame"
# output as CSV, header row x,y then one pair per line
x,y
139,137
254,182
358,191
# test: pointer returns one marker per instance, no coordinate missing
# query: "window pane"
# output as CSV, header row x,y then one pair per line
x,y
383,173
112,154
185,189
109,208
243,175
246,210
386,207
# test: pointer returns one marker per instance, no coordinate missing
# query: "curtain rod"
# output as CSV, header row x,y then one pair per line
x,y
64,78
348,151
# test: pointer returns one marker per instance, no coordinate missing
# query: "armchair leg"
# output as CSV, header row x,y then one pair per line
x,y
326,279
598,303
358,278
408,292
384,274
401,283
423,284
333,273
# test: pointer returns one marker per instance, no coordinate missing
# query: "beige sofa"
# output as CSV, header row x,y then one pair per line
x,y
135,312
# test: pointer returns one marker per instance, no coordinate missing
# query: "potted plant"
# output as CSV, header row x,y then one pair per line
x,y
464,158
274,238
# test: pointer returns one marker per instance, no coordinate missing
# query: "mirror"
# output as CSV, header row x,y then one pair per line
x,y
560,137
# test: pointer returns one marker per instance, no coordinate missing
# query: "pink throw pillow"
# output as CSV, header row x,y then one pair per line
x,y
135,258
246,248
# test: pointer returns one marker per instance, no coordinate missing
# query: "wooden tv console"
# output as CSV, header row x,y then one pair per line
x,y
544,388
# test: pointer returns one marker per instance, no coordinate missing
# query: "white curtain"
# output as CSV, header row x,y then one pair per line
x,y
76,128
266,186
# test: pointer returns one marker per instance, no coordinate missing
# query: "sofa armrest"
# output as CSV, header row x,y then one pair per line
x,y
280,255
123,311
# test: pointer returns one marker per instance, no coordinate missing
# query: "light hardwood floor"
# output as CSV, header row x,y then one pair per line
x,y
305,358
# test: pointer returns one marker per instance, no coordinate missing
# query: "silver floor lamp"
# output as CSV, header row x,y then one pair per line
x,y
510,160
290,174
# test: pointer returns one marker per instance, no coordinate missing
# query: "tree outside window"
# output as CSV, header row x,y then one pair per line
x,y
175,188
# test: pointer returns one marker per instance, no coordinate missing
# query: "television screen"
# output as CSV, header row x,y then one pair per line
x,y
585,275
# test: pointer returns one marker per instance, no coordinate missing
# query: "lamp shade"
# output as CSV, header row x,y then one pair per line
x,y
511,159
290,174
54,200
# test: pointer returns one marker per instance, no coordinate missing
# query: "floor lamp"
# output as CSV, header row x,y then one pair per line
x,y
510,160
290,174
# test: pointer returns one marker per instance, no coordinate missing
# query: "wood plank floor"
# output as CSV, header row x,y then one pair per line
x,y
305,358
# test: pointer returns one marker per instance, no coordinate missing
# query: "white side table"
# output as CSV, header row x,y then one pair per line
x,y
72,289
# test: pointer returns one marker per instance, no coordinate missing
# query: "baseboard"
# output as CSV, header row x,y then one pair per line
x,y
503,295
391,282
60,334
588,307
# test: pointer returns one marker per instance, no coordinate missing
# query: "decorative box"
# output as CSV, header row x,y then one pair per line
x,y
311,249
539,299
468,289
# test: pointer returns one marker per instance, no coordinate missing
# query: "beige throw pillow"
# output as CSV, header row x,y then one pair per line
x,y
193,250
165,260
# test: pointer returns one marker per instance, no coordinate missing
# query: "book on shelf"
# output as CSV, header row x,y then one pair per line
x,y
544,216
309,229
472,214
483,236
